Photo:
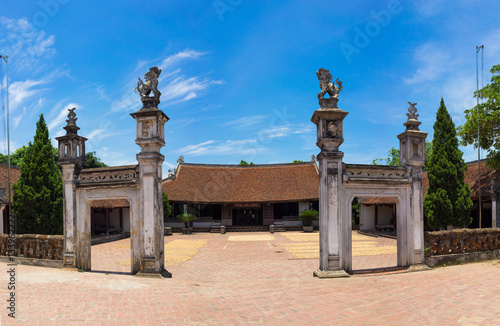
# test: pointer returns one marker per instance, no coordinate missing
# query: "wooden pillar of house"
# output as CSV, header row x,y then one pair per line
x,y
107,221
376,216
267,214
227,215
121,219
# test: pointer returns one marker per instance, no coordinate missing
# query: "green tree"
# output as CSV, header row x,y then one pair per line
x,y
93,161
16,156
297,161
393,157
167,208
245,163
489,121
448,199
307,216
37,200
355,211
186,218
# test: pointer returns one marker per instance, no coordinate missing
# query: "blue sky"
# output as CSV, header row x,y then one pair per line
x,y
239,77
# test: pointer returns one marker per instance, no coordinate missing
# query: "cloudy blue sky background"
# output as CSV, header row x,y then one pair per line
x,y
238,77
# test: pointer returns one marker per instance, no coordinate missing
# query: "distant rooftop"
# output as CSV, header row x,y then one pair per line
x,y
221,183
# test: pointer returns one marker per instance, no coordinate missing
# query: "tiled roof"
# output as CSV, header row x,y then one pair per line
x,y
208,183
471,177
379,200
15,172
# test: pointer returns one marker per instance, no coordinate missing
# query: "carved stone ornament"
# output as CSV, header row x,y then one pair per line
x,y
412,123
412,111
147,129
326,85
71,128
332,129
150,85
108,176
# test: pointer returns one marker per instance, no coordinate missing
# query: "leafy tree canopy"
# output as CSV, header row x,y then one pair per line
x,y
393,157
17,156
488,119
93,161
245,163
297,161
167,207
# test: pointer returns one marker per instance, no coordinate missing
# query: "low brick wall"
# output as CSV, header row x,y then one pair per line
x,y
38,246
461,245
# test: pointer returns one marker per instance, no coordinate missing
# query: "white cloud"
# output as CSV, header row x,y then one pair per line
x,y
178,57
63,113
23,90
174,86
247,146
181,89
31,47
433,61
112,158
492,47
246,121
198,149
458,95
430,7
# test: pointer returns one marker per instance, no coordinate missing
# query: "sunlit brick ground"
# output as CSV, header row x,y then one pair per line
x,y
253,279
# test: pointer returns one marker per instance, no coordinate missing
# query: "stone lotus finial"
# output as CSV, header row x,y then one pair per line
x,y
150,85
71,128
412,111
180,159
412,123
326,85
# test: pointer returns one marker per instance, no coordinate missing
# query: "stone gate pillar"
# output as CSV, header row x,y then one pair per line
x,y
151,138
495,203
412,156
329,119
72,159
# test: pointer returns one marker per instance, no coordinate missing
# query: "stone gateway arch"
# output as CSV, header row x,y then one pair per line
x,y
139,185
340,183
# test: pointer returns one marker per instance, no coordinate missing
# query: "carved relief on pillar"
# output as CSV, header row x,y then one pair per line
x,y
331,129
147,129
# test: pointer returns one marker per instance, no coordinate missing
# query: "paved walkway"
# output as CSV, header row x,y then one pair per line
x,y
252,279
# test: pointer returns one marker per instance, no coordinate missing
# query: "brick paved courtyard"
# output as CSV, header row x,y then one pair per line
x,y
253,279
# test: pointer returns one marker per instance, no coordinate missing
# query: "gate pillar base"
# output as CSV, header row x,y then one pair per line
x,y
330,274
418,268
163,274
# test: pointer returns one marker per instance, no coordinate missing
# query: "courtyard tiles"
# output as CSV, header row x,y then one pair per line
x,y
251,283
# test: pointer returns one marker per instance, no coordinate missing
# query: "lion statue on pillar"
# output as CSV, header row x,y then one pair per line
x,y
151,84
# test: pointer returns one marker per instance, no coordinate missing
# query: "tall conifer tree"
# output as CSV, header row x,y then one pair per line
x,y
37,200
448,199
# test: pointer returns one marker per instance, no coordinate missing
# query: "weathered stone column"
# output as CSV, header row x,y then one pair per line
x,y
495,203
2,207
412,156
329,119
71,159
151,138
